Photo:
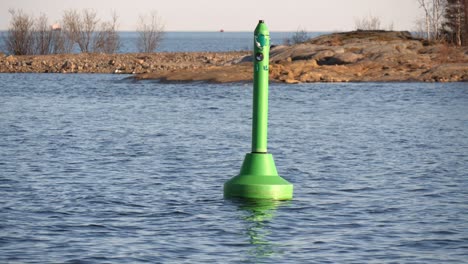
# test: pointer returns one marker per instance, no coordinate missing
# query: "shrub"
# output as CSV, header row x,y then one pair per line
x,y
300,36
107,39
19,39
150,32
367,23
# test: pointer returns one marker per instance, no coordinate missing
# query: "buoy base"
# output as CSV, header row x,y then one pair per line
x,y
258,179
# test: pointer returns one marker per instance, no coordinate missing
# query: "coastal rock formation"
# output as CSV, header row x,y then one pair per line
x,y
374,56
370,56
357,56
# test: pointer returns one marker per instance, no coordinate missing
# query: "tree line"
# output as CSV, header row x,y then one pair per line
x,y
445,20
78,29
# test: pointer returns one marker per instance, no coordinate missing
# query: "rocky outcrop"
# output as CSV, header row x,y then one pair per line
x,y
370,56
358,56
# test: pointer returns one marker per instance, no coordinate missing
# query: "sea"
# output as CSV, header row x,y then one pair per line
x,y
178,41
98,168
207,41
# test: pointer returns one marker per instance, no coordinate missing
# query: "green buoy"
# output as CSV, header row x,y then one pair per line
x,y
258,178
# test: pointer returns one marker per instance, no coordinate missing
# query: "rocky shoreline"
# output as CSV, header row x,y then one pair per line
x,y
359,56
128,63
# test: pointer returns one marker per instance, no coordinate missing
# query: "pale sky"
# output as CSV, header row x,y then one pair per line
x,y
233,15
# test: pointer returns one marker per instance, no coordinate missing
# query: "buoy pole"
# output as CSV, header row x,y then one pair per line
x,y
260,89
258,178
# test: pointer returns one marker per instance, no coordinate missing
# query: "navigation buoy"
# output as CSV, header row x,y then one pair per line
x,y
258,178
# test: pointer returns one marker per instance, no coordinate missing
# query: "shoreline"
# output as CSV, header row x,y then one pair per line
x,y
125,63
358,56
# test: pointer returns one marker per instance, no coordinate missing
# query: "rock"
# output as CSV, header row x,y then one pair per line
x,y
310,77
448,72
348,57
313,54
291,81
343,38
68,65
341,58
11,59
339,50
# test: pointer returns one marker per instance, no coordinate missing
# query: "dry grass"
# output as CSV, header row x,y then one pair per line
x,y
447,53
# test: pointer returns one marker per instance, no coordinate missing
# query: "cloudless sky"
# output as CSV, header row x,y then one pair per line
x,y
233,15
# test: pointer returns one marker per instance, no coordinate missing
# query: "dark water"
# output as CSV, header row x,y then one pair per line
x,y
98,170
194,41
206,41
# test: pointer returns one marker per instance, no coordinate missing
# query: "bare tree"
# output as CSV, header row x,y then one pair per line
x,y
433,17
454,22
27,35
438,9
48,40
42,35
79,29
150,32
58,41
107,39
466,22
367,23
19,39
427,15
88,27
300,36
70,28
420,29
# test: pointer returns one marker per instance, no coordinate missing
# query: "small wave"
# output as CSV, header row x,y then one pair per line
x,y
355,190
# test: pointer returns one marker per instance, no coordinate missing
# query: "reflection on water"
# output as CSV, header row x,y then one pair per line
x,y
258,214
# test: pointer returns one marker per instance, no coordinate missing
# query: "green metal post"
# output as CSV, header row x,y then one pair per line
x,y
258,178
260,91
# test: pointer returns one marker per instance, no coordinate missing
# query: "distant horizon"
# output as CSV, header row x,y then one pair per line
x,y
244,31
213,31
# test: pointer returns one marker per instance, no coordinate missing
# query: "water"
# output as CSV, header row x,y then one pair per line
x,y
196,41
94,169
206,41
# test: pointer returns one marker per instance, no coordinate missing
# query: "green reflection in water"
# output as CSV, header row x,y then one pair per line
x,y
259,215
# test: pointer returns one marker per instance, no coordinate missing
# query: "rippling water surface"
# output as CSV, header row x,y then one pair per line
x,y
94,169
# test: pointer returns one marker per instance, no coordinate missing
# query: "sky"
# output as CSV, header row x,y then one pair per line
x,y
232,15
